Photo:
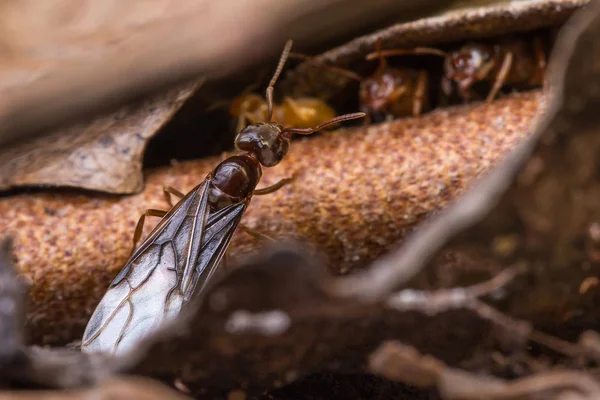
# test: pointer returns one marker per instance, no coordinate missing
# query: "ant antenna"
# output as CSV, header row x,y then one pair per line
x,y
379,52
282,60
400,52
333,121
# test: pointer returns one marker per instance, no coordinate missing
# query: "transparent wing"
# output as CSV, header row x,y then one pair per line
x,y
183,249
217,235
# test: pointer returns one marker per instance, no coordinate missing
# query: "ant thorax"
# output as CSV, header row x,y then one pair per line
x,y
233,180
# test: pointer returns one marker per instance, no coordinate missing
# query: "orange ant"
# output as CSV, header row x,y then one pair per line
x,y
250,108
507,62
302,112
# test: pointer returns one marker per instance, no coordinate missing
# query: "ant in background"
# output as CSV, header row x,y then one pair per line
x,y
303,112
509,61
393,91
390,91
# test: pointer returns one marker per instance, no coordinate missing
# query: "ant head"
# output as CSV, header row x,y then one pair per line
x,y
383,88
470,63
268,141
265,141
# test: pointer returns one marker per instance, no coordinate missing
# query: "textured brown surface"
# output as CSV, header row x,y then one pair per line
x,y
455,26
357,193
104,154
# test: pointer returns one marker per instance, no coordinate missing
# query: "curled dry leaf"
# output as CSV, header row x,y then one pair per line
x,y
70,246
104,154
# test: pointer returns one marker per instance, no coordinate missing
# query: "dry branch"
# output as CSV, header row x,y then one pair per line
x,y
403,363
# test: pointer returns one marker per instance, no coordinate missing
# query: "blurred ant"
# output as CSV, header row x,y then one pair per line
x,y
393,91
303,112
507,62
390,91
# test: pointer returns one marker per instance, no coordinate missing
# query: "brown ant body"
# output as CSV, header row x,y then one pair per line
x,y
393,91
390,91
507,62
177,260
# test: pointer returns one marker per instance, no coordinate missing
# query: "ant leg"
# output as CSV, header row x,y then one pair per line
x,y
446,86
168,191
340,71
274,187
501,77
367,121
539,76
419,94
140,225
255,234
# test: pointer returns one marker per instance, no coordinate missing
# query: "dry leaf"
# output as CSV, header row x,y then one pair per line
x,y
104,154
85,240
71,59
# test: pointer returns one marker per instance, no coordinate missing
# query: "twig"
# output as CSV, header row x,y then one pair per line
x,y
399,362
444,299
432,303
